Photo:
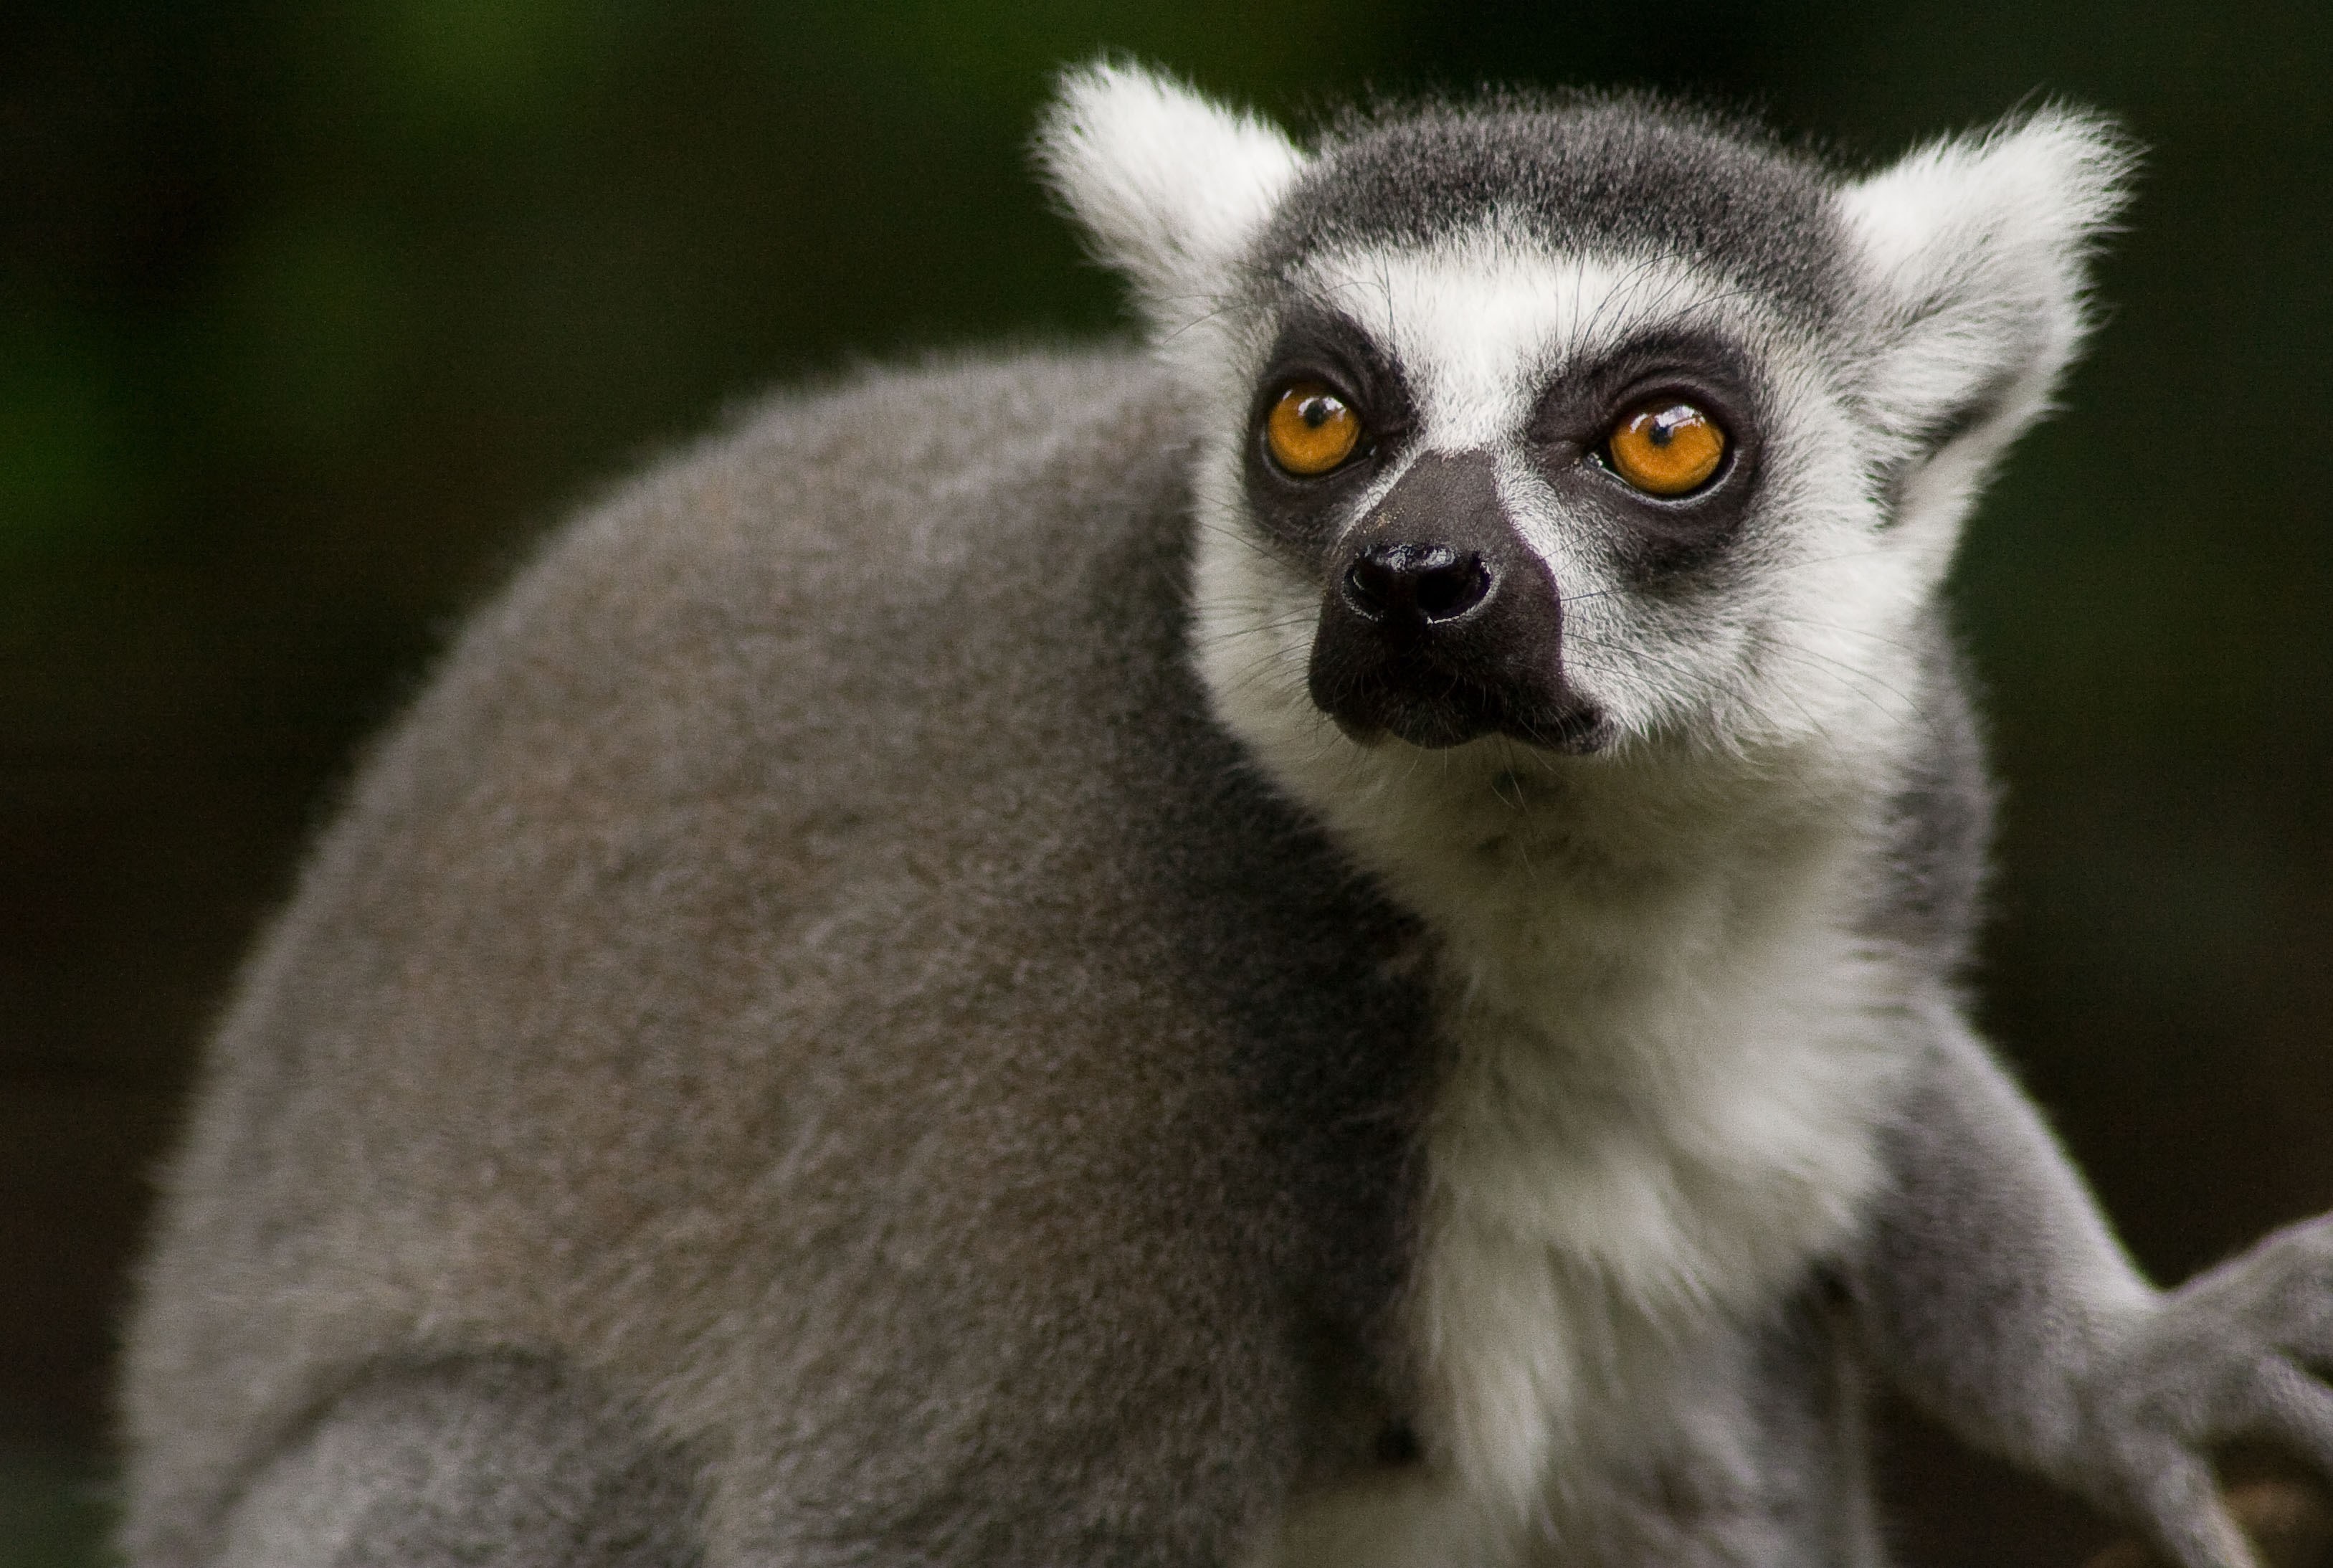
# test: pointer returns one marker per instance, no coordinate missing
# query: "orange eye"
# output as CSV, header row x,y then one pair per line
x,y
1311,430
1667,449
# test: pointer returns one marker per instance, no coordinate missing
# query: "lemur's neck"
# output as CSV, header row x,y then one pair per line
x,y
1667,1049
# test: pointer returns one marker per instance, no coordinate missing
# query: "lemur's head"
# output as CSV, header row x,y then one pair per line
x,y
1589,424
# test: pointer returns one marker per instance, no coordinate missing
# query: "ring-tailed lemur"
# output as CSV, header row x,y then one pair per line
x,y
1334,943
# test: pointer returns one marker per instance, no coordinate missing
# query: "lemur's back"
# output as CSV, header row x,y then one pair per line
x,y
810,955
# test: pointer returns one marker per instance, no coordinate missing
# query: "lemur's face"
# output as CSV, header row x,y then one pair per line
x,y
1522,493
1579,429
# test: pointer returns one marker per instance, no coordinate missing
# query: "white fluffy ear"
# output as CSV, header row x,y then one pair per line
x,y
1975,252
1169,187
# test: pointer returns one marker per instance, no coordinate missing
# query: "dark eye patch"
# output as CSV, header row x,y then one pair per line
x,y
1654,536
1323,346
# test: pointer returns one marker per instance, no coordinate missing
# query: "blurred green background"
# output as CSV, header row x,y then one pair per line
x,y
311,316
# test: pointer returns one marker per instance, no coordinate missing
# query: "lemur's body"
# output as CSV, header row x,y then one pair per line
x,y
935,985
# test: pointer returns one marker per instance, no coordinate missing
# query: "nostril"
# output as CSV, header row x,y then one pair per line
x,y
1373,586
1425,582
1445,592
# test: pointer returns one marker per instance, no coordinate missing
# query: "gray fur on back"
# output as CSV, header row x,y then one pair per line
x,y
492,1459
810,963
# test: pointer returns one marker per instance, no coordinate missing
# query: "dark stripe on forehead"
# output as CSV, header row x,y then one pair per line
x,y
1625,176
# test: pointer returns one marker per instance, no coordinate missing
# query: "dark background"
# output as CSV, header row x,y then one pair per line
x,y
311,316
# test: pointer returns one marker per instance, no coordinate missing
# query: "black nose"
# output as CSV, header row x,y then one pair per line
x,y
1439,622
1419,583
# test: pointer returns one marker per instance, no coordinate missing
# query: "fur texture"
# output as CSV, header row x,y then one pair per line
x,y
937,984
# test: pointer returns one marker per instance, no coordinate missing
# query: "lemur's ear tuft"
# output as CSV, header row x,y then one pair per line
x,y
1168,187
1975,253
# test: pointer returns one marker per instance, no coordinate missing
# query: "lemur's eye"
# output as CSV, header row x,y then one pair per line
x,y
1311,429
1666,447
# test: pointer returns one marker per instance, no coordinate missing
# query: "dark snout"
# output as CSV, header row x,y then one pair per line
x,y
1441,625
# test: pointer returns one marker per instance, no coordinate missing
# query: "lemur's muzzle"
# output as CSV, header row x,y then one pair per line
x,y
1441,625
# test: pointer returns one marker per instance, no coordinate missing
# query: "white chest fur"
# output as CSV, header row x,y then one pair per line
x,y
1665,1075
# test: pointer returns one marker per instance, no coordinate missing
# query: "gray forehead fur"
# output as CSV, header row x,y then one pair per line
x,y
1620,174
